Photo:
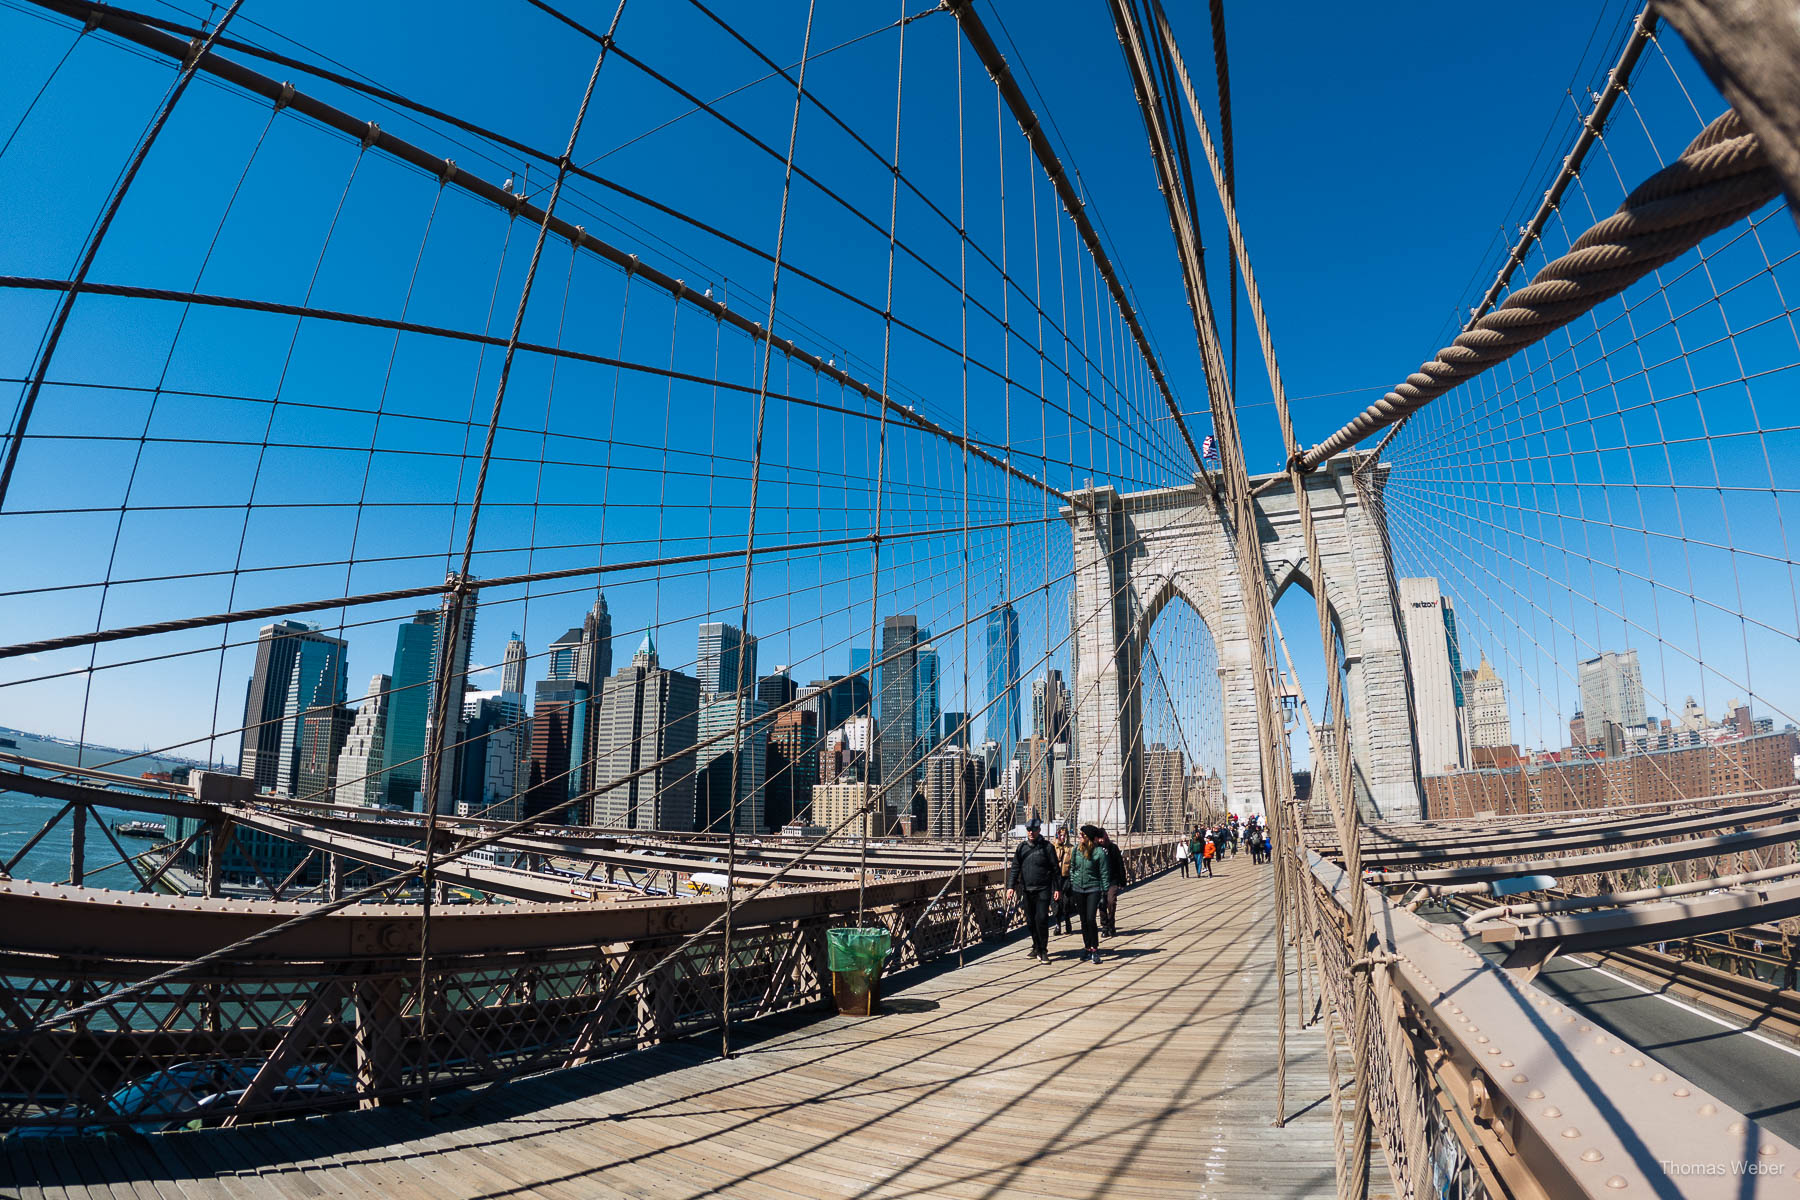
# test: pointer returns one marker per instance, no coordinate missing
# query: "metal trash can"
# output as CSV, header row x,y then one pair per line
x,y
855,957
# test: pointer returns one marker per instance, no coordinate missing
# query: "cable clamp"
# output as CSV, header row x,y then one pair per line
x,y
193,53
370,134
631,264
447,172
284,97
93,21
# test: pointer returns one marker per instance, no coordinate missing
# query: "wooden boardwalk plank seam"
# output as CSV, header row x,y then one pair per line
x,y
1151,1075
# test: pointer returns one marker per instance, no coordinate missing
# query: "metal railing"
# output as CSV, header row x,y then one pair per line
x,y
331,1013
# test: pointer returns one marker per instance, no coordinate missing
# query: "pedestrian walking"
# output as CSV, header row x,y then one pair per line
x,y
1115,859
1181,857
1036,881
1209,852
1267,850
1065,907
1196,848
1090,874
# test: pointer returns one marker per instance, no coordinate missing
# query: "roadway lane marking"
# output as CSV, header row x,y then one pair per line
x,y
1688,1008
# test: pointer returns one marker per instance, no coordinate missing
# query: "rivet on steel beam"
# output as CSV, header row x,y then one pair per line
x,y
1591,1155
1553,1112
1768,1150
1736,1127
1571,1133
1521,1078
1617,1183
1709,1110
1535,1094
1659,1077
1617,1050
1506,1062
1682,1093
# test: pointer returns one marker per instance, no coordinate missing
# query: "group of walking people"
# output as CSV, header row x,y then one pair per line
x,y
1057,881
1203,846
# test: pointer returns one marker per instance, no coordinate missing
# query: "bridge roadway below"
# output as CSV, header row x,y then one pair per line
x,y
1755,1072
1151,1075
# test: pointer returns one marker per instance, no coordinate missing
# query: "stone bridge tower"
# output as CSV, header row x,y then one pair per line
x,y
1135,553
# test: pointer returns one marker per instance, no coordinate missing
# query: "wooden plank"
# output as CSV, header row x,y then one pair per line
x,y
1146,1077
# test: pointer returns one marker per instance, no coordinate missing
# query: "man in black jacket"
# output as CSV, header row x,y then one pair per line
x,y
1036,880
1109,908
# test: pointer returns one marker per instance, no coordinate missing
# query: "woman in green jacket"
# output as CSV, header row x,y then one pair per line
x,y
1090,874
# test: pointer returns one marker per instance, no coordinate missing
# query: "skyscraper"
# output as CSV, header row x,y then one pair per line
x,y
1050,707
319,679
593,664
558,747
844,753
512,674
952,793
323,728
595,661
1003,679
953,730
1165,788
897,742
1434,666
360,780
278,652
1612,692
403,754
648,715
840,698
453,660
494,734
563,659
793,765
732,752
718,661
926,698
777,689
1485,693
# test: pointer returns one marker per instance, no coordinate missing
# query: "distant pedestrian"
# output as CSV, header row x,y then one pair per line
x,y
1209,852
1267,850
1181,857
1065,907
1115,859
1196,849
1036,881
1090,874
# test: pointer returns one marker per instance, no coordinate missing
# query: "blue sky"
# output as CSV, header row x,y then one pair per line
x,y
1382,163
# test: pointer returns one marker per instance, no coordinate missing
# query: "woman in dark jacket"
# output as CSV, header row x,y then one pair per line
x,y
1090,874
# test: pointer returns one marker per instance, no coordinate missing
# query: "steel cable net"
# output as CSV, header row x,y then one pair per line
x,y
1601,522
586,515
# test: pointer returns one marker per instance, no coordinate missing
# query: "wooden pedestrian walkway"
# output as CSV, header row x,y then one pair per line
x,y
1151,1075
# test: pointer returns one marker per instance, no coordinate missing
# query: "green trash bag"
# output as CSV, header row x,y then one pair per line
x,y
857,949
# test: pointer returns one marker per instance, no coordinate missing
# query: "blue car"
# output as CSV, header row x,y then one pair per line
x,y
194,1094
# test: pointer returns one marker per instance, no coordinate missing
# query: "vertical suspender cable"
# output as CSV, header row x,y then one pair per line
x,y
742,703
452,619
871,746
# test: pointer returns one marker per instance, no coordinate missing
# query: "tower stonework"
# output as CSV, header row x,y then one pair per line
x,y
1134,553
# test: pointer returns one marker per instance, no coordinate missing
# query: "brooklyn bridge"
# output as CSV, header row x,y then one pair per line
x,y
861,735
